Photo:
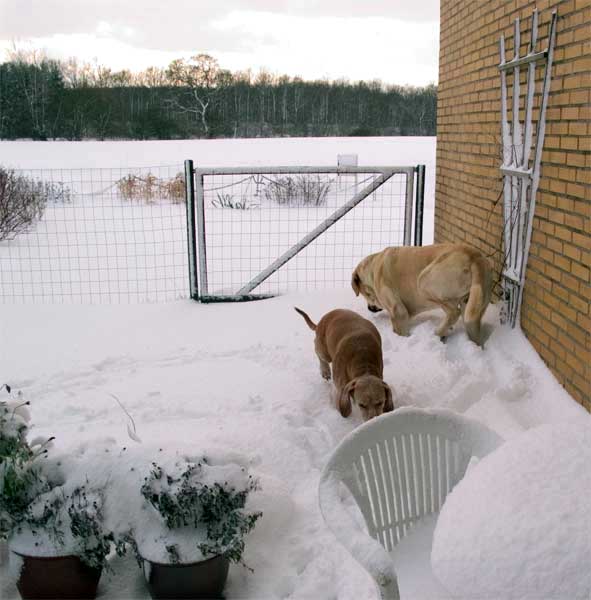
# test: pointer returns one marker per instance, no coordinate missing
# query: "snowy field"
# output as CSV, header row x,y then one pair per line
x,y
245,377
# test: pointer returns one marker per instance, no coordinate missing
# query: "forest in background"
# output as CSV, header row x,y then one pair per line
x,y
44,99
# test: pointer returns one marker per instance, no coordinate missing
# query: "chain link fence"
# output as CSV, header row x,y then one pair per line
x,y
86,236
93,235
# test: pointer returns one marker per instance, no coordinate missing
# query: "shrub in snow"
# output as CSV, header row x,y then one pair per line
x,y
21,480
302,190
20,204
23,201
41,513
150,188
183,508
67,521
203,507
228,201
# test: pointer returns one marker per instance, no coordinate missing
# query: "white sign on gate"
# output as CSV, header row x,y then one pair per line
x,y
347,160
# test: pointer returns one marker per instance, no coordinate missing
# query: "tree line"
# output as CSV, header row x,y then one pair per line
x,y
45,99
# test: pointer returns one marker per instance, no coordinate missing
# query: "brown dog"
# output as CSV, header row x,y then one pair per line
x,y
354,347
408,280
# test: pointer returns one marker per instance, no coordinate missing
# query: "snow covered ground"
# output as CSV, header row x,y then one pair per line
x,y
245,376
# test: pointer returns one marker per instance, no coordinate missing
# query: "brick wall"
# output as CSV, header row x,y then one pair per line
x,y
468,205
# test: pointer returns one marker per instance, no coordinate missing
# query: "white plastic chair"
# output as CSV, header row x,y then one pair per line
x,y
399,468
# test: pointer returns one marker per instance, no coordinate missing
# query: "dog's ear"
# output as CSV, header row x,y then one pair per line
x,y
389,404
356,282
345,398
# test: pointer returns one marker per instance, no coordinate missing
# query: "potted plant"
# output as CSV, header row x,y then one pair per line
x,y
198,525
58,545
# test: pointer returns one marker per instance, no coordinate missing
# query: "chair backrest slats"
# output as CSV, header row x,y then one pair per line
x,y
399,474
422,479
375,500
416,474
431,482
385,490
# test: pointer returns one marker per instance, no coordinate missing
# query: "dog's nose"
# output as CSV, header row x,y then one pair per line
x,y
373,308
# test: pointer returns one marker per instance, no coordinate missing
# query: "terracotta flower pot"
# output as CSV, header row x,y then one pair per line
x,y
205,579
50,577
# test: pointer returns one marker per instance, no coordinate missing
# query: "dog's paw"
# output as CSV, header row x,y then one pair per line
x,y
325,375
443,338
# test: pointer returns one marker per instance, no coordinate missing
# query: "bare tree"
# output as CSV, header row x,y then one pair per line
x,y
201,79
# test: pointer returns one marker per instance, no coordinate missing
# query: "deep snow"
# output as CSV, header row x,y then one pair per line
x,y
245,377
532,538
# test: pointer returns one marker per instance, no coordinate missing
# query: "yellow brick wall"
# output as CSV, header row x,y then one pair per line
x,y
468,205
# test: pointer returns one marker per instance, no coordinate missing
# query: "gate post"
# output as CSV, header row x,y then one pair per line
x,y
410,179
200,195
190,214
419,205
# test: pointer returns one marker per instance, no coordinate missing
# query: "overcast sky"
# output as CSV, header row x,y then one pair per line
x,y
392,40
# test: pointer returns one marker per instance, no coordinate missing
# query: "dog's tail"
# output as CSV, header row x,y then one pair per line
x,y
309,321
478,298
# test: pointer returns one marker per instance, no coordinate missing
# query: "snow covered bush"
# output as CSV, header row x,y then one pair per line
x,y
202,507
97,497
150,188
20,204
67,520
41,513
23,201
21,480
303,190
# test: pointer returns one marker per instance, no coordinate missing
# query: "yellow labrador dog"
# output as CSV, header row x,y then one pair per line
x,y
408,280
354,347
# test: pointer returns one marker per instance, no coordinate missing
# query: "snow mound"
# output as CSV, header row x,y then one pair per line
x,y
518,526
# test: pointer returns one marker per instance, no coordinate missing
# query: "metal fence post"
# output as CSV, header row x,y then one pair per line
x,y
191,242
201,233
419,205
410,178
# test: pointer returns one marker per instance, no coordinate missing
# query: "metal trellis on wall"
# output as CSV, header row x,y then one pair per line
x,y
520,175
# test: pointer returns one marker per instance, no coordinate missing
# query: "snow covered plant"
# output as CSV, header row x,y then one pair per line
x,y
41,513
68,520
202,506
21,479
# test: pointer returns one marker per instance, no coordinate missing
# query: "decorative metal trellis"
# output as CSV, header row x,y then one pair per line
x,y
520,175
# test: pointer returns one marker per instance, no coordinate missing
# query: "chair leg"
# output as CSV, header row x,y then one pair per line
x,y
389,591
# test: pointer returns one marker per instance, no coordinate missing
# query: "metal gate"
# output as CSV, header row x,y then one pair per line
x,y
520,175
255,232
